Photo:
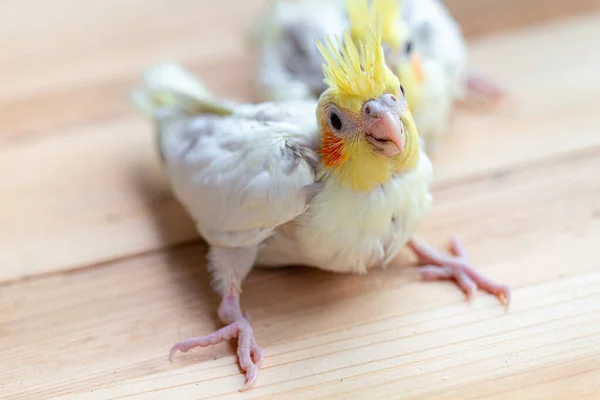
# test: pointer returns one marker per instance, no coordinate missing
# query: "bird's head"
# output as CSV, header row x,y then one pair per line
x,y
368,133
397,41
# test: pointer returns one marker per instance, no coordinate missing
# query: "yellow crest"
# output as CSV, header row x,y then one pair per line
x,y
360,16
357,72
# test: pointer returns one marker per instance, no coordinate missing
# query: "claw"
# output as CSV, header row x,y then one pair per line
x,y
457,249
504,298
249,354
256,353
251,375
436,265
483,90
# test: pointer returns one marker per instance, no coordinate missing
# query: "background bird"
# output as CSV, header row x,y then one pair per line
x,y
340,184
438,37
424,46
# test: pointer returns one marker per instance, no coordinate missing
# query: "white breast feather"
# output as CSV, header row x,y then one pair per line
x,y
345,231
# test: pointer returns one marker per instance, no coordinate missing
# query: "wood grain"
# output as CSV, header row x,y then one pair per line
x,y
105,196
115,271
103,333
482,17
81,58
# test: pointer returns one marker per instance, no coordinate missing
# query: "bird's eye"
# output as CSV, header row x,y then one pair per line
x,y
402,90
408,47
335,121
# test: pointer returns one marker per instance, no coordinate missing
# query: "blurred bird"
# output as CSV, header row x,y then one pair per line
x,y
438,37
423,45
289,62
340,184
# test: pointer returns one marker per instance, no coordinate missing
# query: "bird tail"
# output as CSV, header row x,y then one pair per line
x,y
170,87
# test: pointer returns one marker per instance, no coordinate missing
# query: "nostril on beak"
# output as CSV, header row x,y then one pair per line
x,y
368,110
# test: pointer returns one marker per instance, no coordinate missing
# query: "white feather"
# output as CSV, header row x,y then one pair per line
x,y
289,63
239,178
435,106
247,179
439,38
345,231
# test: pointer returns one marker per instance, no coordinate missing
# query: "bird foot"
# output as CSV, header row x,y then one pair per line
x,y
482,90
249,354
456,266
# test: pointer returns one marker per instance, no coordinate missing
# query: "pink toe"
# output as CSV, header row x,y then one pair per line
x,y
251,375
505,296
433,272
184,346
457,249
468,286
484,87
226,333
257,355
172,352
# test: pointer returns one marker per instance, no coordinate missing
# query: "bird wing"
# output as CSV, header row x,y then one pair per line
x,y
241,176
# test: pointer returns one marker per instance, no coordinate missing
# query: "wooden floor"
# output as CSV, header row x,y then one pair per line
x,y
101,270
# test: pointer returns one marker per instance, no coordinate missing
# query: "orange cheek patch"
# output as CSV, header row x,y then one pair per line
x,y
332,149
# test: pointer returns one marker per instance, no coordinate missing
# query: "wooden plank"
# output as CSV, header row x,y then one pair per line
x,y
92,195
546,100
103,333
577,378
81,58
481,17
104,196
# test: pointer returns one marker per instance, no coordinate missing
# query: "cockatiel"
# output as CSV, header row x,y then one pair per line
x,y
438,37
290,64
424,47
340,184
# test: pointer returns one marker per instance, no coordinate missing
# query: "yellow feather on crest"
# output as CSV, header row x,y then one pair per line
x,y
357,73
361,16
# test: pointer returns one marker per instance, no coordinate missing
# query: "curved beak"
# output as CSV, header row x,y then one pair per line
x,y
387,129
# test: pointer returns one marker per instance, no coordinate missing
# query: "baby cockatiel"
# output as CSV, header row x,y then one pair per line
x,y
438,38
425,31
426,85
289,65
424,46
340,184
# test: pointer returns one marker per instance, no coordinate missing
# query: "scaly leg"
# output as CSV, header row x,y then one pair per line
x,y
456,266
229,267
